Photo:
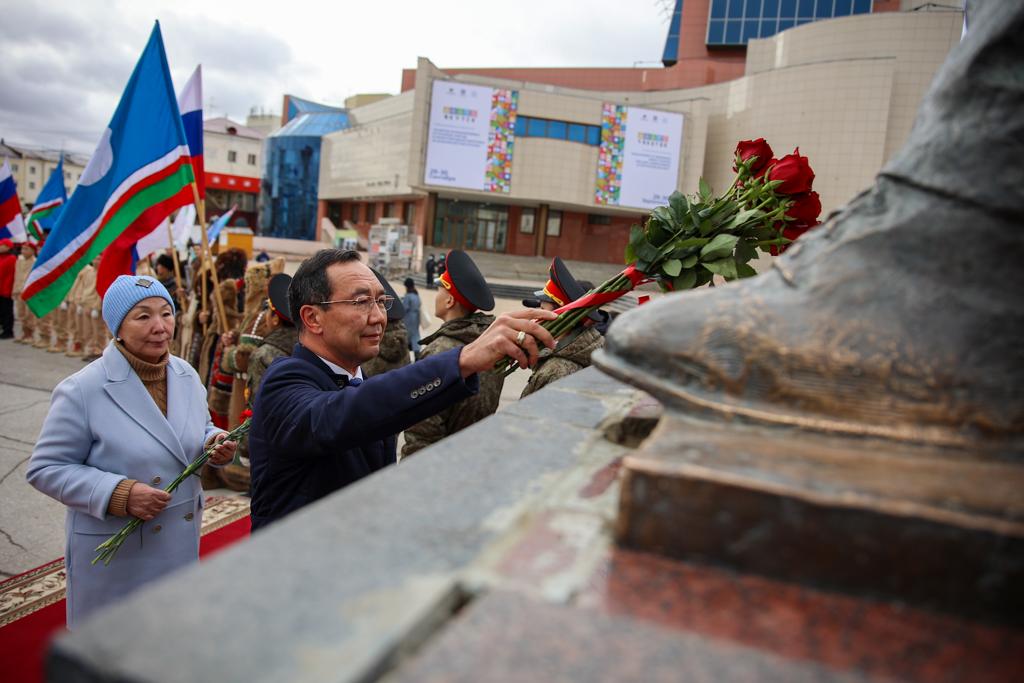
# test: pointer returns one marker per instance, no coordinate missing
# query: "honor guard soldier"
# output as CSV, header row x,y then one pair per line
x,y
576,345
462,294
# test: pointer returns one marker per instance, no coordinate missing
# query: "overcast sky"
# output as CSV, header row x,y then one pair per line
x,y
64,65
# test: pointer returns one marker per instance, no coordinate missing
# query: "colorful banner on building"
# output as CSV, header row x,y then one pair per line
x,y
638,162
471,137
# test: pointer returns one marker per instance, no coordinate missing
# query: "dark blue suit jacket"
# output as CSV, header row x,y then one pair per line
x,y
309,438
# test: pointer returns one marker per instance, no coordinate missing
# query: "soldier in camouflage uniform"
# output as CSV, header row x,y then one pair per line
x,y
574,347
463,293
394,345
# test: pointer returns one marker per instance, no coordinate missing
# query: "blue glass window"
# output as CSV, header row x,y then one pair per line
x,y
823,9
753,10
750,28
577,132
594,135
521,125
861,6
735,9
536,128
787,8
733,31
805,9
716,32
769,27
557,129
843,8
718,8
770,9
786,23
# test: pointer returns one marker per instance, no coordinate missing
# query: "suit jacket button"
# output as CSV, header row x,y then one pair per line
x,y
430,387
413,395
157,529
188,517
156,480
437,382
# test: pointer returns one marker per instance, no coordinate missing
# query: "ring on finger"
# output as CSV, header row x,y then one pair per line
x,y
520,338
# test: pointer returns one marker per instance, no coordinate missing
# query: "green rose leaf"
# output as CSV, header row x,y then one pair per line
x,y
726,267
745,270
705,190
719,246
685,281
690,261
672,267
745,251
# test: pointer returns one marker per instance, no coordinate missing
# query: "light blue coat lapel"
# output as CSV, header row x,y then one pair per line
x,y
126,390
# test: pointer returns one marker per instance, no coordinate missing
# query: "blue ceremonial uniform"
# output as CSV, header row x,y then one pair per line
x,y
309,438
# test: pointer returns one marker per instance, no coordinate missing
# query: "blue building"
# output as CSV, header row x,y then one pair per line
x,y
291,168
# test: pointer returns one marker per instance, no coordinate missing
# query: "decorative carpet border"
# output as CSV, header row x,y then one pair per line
x,y
41,587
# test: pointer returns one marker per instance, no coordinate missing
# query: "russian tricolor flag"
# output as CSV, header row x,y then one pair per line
x,y
190,103
12,225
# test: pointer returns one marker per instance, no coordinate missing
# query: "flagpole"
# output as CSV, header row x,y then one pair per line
x,y
209,259
177,277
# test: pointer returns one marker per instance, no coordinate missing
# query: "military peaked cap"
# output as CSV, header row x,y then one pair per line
x,y
463,281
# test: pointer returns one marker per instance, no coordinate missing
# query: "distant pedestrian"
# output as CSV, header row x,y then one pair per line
x,y
431,266
263,256
411,303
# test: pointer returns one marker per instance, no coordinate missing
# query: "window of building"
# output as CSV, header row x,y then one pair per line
x,y
371,212
67,175
469,225
252,159
598,219
353,213
531,127
736,22
232,155
14,167
526,221
554,224
32,170
410,213
388,211
31,184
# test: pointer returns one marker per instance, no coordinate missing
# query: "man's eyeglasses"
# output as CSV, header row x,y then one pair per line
x,y
363,303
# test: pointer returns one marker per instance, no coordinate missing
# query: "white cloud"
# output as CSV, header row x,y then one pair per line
x,y
64,69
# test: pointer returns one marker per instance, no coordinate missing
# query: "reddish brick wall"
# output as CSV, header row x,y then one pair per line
x,y
582,241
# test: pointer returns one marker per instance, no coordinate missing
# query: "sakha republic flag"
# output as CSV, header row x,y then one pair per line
x,y
138,175
190,103
12,225
49,204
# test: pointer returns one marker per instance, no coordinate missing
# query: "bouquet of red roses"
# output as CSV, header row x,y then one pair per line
x,y
769,204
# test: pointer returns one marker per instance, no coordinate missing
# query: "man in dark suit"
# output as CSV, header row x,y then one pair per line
x,y
317,426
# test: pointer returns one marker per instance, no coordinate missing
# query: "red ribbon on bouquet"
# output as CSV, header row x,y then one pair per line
x,y
635,277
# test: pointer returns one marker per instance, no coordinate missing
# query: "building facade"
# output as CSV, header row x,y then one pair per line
x,y
845,90
291,169
232,158
32,166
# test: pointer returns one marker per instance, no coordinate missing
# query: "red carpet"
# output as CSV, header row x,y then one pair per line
x,y
32,604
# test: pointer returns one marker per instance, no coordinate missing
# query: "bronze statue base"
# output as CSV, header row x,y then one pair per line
x,y
943,529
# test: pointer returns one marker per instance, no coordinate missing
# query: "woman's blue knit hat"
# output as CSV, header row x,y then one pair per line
x,y
124,293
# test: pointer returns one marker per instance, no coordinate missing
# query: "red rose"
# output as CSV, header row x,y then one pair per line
x,y
792,231
245,415
806,208
754,148
795,173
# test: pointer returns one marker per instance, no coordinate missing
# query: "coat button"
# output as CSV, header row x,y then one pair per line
x,y
437,381
157,529
188,517
413,394
430,387
156,480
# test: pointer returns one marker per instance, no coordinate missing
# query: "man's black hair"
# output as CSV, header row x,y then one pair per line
x,y
310,285
165,261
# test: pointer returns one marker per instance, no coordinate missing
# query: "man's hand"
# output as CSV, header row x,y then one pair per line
x,y
499,341
146,502
224,452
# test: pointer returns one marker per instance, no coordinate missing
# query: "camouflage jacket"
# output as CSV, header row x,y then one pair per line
x,y
394,350
452,334
277,344
573,357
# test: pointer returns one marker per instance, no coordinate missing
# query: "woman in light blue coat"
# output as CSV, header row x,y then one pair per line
x,y
411,303
118,431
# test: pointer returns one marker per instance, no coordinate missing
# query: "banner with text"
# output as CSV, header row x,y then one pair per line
x,y
638,161
471,137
